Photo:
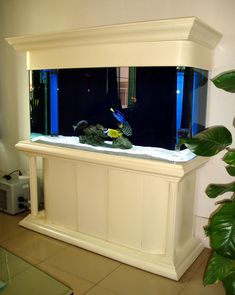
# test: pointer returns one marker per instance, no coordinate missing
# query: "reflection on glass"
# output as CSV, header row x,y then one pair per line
x,y
160,103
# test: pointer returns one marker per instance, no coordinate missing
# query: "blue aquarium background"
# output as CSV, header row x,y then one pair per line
x,y
160,103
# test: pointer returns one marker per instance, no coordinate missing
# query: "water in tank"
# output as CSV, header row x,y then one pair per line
x,y
157,104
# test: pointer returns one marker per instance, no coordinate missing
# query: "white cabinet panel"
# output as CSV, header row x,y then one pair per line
x,y
92,185
155,213
125,207
60,192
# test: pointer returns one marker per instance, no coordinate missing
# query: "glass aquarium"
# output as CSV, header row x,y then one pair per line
x,y
150,106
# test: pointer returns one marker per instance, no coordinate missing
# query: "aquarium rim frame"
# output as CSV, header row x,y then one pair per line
x,y
173,170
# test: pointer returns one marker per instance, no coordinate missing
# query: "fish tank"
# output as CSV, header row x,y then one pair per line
x,y
148,107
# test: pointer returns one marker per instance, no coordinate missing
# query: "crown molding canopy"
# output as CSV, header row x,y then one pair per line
x,y
179,29
154,37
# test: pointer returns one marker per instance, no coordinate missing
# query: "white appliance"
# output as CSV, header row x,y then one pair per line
x,y
14,195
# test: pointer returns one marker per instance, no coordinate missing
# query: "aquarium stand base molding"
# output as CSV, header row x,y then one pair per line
x,y
137,211
157,264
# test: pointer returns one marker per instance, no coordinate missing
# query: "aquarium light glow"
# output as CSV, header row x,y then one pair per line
x,y
179,100
54,103
195,103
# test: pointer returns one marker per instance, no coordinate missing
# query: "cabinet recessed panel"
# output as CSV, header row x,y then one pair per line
x,y
92,199
125,208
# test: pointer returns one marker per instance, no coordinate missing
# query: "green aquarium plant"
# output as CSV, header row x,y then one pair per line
x,y
221,226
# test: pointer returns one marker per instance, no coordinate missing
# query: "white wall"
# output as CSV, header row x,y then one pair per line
x,y
18,17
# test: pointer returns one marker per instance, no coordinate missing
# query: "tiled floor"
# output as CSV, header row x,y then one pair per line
x,y
92,274
21,278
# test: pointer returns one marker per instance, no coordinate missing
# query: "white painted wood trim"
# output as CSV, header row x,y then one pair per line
x,y
158,264
33,185
172,170
178,29
168,184
170,42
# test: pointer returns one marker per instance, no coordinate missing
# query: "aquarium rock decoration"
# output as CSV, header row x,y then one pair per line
x,y
93,135
95,138
121,143
96,135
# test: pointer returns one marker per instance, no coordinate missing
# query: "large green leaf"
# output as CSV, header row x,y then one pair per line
x,y
222,230
229,157
225,81
215,190
230,170
229,284
208,142
218,268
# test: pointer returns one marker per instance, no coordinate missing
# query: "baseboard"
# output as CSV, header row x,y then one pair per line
x,y
199,232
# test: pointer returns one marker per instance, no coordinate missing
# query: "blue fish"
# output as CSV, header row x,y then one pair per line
x,y
126,128
118,115
124,125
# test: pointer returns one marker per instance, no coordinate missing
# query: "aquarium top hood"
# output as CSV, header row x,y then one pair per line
x,y
171,42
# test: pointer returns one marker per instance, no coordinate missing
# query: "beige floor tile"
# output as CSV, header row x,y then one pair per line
x,y
196,287
81,269
9,225
100,291
10,265
79,285
202,258
82,263
33,247
127,280
33,281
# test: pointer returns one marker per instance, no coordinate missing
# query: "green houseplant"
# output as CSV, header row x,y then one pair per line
x,y
221,226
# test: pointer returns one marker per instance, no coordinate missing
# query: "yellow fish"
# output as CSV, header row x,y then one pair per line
x,y
113,133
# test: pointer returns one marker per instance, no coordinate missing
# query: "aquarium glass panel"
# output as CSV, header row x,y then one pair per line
x,y
160,104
